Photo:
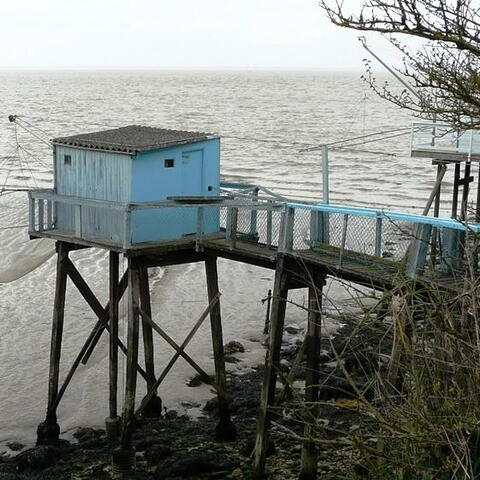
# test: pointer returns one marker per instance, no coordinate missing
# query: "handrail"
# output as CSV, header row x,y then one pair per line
x,y
389,215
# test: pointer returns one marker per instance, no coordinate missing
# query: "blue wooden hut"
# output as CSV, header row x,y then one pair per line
x,y
135,164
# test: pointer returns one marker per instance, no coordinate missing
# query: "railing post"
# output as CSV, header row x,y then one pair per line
x,y
198,243
49,214
41,220
378,236
31,212
285,243
344,240
77,216
253,215
417,253
318,228
127,222
269,228
233,228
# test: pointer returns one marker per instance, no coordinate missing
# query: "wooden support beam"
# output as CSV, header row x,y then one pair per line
x,y
100,326
173,344
280,292
95,305
309,459
113,421
154,407
49,431
176,356
225,430
114,295
132,355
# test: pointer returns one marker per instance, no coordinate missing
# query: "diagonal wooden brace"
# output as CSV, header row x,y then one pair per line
x,y
102,323
100,326
174,345
177,354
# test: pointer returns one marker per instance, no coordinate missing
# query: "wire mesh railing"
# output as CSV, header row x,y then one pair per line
x,y
344,232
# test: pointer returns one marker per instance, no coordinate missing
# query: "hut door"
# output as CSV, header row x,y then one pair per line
x,y
192,173
192,185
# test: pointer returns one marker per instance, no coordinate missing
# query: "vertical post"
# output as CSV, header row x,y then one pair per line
x,y
417,252
225,430
456,183
127,225
269,228
266,328
253,215
154,406
312,378
285,242
123,458
325,175
49,214
31,217
344,240
77,214
233,228
466,191
112,423
49,431
272,363
198,243
41,216
378,237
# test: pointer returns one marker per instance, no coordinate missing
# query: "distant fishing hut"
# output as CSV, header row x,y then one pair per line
x,y
155,197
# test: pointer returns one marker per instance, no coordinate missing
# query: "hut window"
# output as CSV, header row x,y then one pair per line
x,y
169,163
67,159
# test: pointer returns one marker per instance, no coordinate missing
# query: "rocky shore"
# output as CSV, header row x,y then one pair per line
x,y
176,446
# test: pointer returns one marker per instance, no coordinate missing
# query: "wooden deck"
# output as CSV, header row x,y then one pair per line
x,y
365,270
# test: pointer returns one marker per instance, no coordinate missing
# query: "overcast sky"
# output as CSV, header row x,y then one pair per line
x,y
176,33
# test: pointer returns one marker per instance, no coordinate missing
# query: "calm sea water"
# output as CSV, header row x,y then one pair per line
x,y
291,108
265,118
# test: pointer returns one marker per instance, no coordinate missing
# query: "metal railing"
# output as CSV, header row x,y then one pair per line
x,y
348,233
429,137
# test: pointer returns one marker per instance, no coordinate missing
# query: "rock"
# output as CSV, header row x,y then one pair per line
x,y
233,347
292,328
171,415
157,453
145,442
189,464
38,457
87,434
15,446
195,381
246,447
211,405
231,359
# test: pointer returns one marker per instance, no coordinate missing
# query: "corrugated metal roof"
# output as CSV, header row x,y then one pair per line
x,y
131,139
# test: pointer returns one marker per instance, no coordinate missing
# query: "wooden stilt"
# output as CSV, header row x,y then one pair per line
x,y
154,406
277,320
123,458
101,327
132,354
49,431
225,429
308,470
112,423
